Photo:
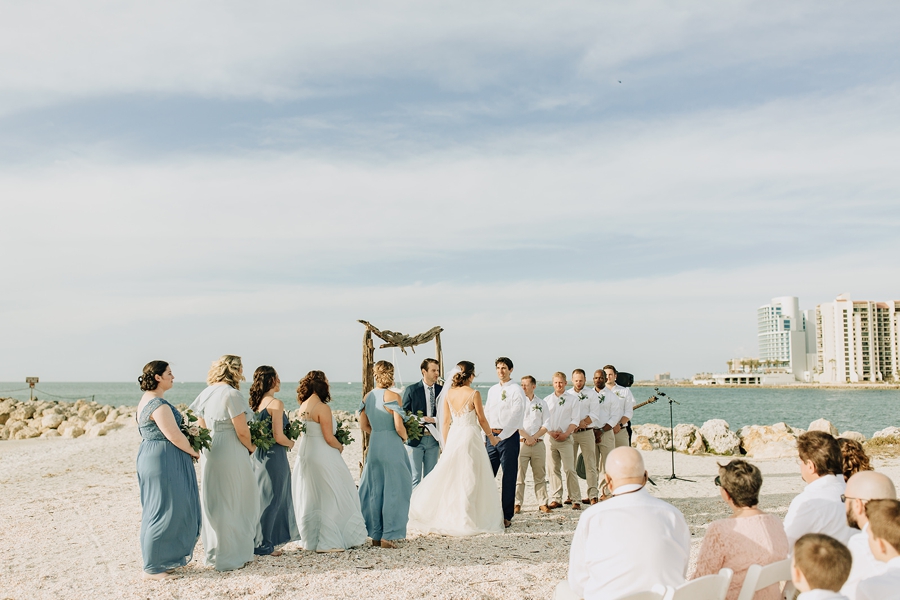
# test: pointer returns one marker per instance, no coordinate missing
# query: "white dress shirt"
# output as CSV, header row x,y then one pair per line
x,y
604,412
537,415
628,544
505,408
821,595
621,402
881,587
588,404
818,509
561,415
865,564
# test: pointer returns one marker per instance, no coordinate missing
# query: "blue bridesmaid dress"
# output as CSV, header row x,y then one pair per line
x,y
277,521
170,503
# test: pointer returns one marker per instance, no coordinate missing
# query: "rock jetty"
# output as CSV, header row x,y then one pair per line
x,y
21,420
754,441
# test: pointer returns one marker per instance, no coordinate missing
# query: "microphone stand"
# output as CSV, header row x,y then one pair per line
x,y
673,476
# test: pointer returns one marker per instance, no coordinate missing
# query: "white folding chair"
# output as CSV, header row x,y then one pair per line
x,y
759,577
710,587
657,592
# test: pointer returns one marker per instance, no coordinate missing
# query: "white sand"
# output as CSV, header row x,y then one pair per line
x,y
70,517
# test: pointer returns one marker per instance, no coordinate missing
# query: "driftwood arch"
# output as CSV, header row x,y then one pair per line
x,y
392,339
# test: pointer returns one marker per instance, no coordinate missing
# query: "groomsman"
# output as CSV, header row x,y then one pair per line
x,y
562,422
505,412
605,424
622,407
583,437
532,451
422,396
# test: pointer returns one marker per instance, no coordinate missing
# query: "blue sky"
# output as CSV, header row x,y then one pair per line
x,y
182,180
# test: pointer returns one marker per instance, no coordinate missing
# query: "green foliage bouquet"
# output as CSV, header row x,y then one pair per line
x,y
294,428
413,424
198,437
342,433
261,435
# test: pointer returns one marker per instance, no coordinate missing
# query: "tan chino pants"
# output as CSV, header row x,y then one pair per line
x,y
562,463
536,456
585,441
607,444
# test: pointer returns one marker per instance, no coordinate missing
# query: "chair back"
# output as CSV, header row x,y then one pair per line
x,y
761,577
657,592
710,587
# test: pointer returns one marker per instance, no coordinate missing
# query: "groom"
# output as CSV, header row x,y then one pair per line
x,y
505,412
422,396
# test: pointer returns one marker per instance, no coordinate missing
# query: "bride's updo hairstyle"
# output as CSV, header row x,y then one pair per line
x,y
468,371
228,369
147,380
316,383
384,374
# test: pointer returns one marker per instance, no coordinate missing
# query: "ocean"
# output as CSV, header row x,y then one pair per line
x,y
863,410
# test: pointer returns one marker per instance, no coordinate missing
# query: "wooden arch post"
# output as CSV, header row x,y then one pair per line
x,y
391,339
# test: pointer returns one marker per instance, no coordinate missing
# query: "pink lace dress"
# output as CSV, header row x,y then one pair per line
x,y
737,544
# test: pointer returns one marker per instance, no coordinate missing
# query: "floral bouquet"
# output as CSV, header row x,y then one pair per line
x,y
198,437
413,424
261,435
294,428
342,433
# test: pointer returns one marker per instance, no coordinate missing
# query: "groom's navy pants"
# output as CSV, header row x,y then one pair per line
x,y
506,455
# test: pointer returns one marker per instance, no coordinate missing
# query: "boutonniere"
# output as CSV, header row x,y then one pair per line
x,y
562,399
503,396
620,394
581,396
537,407
602,398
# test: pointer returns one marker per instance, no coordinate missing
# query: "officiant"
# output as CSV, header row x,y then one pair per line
x,y
422,396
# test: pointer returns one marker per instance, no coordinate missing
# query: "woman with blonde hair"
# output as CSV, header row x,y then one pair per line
x,y
325,500
386,482
229,498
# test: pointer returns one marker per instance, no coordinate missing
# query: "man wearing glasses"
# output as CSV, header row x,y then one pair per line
x,y
862,487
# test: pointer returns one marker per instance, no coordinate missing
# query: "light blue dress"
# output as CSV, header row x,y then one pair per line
x,y
325,499
170,504
273,479
229,496
386,482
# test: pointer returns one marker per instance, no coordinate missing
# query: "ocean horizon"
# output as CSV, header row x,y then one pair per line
x,y
864,410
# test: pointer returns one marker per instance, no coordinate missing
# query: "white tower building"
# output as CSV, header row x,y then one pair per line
x,y
782,337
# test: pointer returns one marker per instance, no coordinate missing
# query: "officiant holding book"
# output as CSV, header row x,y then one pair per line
x,y
422,396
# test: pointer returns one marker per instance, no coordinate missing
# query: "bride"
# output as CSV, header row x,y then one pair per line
x,y
459,497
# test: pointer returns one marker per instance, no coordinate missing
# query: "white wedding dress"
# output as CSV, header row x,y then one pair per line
x,y
459,497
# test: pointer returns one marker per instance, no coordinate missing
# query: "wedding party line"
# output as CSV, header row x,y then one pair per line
x,y
430,466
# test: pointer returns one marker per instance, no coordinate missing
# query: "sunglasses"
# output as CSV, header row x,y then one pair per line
x,y
718,481
845,498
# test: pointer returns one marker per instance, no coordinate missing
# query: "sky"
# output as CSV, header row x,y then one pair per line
x,y
569,184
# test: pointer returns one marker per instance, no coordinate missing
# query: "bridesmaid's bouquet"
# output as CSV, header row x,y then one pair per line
x,y
342,433
198,437
261,435
294,428
413,423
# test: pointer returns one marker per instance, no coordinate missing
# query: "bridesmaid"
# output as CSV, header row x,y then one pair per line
x,y
230,500
325,499
386,482
273,471
170,517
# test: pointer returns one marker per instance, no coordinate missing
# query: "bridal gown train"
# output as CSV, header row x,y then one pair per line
x,y
459,497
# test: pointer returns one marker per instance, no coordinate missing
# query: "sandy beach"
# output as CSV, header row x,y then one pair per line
x,y
70,518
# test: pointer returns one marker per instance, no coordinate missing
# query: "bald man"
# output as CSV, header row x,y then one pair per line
x,y
628,543
862,487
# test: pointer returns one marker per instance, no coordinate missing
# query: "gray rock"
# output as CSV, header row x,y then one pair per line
x,y
887,432
657,436
855,436
73,431
719,438
823,425
768,441
688,439
50,433
13,426
51,420
26,433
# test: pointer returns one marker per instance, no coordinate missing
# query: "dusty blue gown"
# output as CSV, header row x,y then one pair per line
x,y
386,483
170,515
273,478
229,498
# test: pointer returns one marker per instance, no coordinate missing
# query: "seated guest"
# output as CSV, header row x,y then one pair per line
x,y
748,537
820,567
628,543
863,487
884,540
853,457
818,508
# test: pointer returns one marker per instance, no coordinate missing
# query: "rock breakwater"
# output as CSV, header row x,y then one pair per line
x,y
21,420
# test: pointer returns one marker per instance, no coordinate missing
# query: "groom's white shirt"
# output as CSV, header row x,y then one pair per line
x,y
588,406
562,415
628,544
506,413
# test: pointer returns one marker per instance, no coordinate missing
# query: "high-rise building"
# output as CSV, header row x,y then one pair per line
x,y
782,336
857,340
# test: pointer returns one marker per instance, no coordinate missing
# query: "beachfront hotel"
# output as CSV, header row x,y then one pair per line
x,y
786,338
857,340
